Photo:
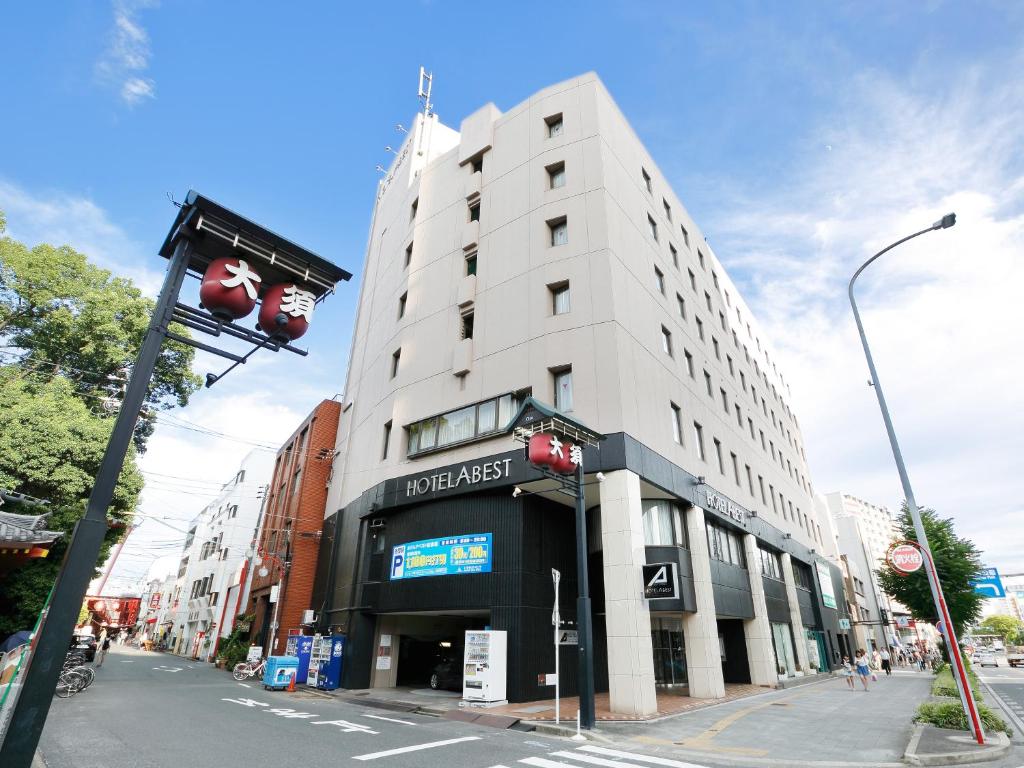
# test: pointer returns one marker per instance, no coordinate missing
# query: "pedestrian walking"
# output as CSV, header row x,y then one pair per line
x,y
886,662
101,652
861,665
847,672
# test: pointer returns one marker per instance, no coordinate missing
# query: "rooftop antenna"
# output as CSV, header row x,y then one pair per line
x,y
426,85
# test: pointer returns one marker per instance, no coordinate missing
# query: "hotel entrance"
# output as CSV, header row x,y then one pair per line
x,y
669,652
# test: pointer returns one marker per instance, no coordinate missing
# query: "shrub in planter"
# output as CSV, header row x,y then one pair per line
x,y
950,714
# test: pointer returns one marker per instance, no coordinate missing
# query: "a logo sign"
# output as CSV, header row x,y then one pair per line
x,y
989,584
154,600
568,637
828,594
660,581
468,474
905,558
844,623
723,505
450,556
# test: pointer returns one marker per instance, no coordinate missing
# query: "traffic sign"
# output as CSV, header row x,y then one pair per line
x,y
905,558
569,637
844,623
989,584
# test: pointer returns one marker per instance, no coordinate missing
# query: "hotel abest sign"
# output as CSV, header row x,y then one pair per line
x,y
457,478
723,505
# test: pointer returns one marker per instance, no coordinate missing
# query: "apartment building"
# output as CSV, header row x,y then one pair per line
x,y
540,252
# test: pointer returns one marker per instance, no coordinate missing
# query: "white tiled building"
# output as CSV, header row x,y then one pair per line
x,y
541,252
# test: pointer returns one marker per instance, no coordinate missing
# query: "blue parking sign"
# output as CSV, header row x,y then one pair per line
x,y
989,584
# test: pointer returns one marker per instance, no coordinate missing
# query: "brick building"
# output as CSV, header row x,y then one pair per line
x,y
292,521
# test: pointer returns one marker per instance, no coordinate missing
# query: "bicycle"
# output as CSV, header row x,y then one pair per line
x,y
246,669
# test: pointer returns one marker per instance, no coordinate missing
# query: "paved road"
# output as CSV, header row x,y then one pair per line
x,y
1008,684
150,710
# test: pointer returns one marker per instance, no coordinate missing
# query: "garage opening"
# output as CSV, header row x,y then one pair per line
x,y
430,650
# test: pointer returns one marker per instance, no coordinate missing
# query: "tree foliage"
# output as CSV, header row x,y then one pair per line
x,y
957,562
69,332
1010,628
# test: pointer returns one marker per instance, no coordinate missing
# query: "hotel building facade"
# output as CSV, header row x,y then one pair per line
x,y
540,252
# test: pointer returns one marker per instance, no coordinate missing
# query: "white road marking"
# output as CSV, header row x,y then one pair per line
x,y
127,661
247,702
541,762
614,763
347,727
245,685
162,668
638,757
391,719
414,748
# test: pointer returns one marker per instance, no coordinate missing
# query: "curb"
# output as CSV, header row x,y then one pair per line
x,y
1010,714
969,756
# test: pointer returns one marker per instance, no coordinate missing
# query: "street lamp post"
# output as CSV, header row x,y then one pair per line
x,y
966,695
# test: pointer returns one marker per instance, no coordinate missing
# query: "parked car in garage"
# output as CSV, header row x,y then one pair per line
x,y
447,673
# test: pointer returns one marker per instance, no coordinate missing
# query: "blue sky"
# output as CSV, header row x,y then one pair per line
x,y
799,135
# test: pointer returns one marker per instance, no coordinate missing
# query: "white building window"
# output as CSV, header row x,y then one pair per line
x,y
559,298
563,390
559,231
554,124
556,175
647,180
652,225
663,523
698,440
677,424
659,281
666,341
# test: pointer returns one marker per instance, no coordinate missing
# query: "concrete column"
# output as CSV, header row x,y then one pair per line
x,y
700,629
799,636
758,630
628,621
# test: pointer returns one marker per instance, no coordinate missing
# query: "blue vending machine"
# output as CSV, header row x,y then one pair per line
x,y
325,661
300,646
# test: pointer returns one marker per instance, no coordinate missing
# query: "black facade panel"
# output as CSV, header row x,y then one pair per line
x,y
806,601
775,600
732,591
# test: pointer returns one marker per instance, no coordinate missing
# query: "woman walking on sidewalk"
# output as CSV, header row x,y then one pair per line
x,y
847,672
861,663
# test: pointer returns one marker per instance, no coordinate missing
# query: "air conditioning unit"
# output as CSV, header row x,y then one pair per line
x,y
308,617
377,522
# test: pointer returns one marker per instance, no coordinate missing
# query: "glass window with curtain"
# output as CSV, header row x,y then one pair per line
x,y
663,523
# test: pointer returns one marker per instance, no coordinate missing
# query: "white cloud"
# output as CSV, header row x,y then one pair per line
x,y
59,218
127,56
942,313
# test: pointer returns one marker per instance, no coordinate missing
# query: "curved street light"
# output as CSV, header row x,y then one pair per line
x,y
966,695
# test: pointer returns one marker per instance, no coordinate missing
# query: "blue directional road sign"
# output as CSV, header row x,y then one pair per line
x,y
989,583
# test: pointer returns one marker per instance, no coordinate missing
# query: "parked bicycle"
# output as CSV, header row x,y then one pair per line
x,y
74,676
246,669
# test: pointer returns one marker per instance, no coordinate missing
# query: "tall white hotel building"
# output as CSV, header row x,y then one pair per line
x,y
541,252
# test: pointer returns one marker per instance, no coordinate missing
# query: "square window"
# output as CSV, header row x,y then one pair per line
x,y
387,441
554,124
718,455
698,440
394,362
559,229
563,389
466,326
556,175
677,425
471,263
659,281
666,341
477,164
402,300
474,211
647,180
559,298
653,226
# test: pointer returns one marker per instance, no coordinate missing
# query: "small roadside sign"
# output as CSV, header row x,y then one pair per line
x,y
569,637
905,558
844,623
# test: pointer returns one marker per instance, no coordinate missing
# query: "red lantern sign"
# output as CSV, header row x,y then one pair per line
x,y
560,456
905,558
540,448
229,288
286,311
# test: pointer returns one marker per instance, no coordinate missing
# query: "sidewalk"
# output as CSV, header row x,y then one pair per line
x,y
822,722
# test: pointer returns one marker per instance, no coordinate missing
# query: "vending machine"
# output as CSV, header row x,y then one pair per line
x,y
301,647
484,667
325,659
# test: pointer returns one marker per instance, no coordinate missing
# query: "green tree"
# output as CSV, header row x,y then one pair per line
x,y
1010,628
957,562
69,331
61,315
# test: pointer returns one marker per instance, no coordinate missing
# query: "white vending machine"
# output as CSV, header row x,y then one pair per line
x,y
485,669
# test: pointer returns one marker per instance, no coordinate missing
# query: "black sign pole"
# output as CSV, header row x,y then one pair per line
x,y
33,705
586,682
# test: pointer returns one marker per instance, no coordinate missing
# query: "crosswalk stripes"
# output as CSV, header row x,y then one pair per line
x,y
588,755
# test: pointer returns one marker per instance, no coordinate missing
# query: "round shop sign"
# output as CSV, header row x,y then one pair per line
x,y
905,558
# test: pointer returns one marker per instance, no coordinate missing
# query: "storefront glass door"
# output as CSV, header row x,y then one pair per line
x,y
785,657
669,652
